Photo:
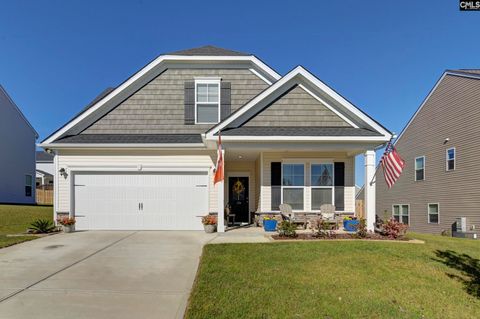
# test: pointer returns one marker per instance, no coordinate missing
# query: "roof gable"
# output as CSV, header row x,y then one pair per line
x,y
298,108
459,73
8,100
209,50
328,98
108,102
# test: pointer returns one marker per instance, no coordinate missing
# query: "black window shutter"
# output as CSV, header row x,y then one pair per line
x,y
276,182
339,174
225,100
189,103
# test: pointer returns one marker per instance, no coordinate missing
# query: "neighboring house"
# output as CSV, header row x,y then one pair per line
x,y
45,168
142,156
439,145
17,154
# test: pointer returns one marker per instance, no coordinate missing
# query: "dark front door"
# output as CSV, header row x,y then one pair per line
x,y
238,198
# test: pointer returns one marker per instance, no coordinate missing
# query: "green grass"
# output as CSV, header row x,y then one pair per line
x,y
15,219
339,280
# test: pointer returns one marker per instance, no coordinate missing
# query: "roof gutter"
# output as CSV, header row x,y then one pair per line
x,y
165,146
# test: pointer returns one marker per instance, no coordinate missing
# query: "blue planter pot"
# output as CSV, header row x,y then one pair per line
x,y
270,225
350,225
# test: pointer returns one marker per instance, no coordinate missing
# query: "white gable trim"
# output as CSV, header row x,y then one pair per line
x,y
430,94
161,59
316,82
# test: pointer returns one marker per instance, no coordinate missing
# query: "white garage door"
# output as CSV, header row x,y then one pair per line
x,y
149,201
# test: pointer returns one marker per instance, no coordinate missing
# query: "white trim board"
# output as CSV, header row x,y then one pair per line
x,y
156,62
310,78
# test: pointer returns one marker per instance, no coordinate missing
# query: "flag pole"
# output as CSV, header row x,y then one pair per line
x,y
374,177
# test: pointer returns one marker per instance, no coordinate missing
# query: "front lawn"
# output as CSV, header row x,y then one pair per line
x,y
333,279
15,219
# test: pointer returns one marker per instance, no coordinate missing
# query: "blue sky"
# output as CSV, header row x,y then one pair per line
x,y
384,56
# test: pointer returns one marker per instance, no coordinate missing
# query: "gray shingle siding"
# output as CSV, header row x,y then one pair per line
x,y
158,107
297,108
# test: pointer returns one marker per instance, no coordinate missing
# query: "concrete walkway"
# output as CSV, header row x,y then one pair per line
x,y
117,274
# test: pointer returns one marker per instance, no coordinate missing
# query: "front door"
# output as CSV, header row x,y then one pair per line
x,y
238,198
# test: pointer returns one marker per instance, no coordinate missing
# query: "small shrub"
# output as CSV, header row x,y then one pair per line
x,y
446,233
66,221
209,220
393,229
42,226
320,228
362,228
287,229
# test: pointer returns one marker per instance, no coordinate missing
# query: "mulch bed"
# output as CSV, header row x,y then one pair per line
x,y
307,236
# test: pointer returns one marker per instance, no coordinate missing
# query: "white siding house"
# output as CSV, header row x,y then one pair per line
x,y
17,154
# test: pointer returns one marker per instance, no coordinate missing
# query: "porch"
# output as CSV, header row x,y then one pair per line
x,y
258,181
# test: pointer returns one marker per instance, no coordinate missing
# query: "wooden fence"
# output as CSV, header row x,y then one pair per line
x,y
45,195
359,208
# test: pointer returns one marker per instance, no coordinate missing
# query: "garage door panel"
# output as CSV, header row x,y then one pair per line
x,y
169,201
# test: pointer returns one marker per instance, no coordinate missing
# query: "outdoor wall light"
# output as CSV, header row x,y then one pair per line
x,y
63,172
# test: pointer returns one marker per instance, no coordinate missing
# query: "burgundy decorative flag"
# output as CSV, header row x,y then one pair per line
x,y
392,165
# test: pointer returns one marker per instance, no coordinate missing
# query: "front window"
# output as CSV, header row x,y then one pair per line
x,y
401,213
28,185
433,213
293,182
451,159
322,185
207,101
420,168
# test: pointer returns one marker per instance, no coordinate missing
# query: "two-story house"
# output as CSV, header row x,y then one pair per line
x,y
17,154
141,156
440,182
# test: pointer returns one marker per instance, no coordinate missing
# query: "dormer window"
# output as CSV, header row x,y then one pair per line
x,y
207,101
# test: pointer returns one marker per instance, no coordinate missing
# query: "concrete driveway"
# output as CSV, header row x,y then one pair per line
x,y
108,274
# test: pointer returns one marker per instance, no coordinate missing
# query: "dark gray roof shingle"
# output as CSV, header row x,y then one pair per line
x,y
298,131
209,50
132,138
42,156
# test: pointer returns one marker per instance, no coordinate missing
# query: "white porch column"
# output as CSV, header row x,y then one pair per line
x,y
221,201
370,189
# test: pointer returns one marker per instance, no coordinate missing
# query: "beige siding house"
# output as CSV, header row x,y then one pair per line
x,y
142,155
440,182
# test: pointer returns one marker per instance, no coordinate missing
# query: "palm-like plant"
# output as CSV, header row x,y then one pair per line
x,y
42,226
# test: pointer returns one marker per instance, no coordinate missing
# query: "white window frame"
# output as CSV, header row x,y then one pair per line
x,y
214,80
428,213
312,186
424,168
304,187
400,212
454,159
31,185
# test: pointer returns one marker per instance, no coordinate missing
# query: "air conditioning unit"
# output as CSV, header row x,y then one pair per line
x,y
459,229
461,224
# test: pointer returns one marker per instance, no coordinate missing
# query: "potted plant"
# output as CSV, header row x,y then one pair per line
x,y
209,223
269,223
68,224
350,223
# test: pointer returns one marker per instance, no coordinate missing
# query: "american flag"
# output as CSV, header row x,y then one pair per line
x,y
392,165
